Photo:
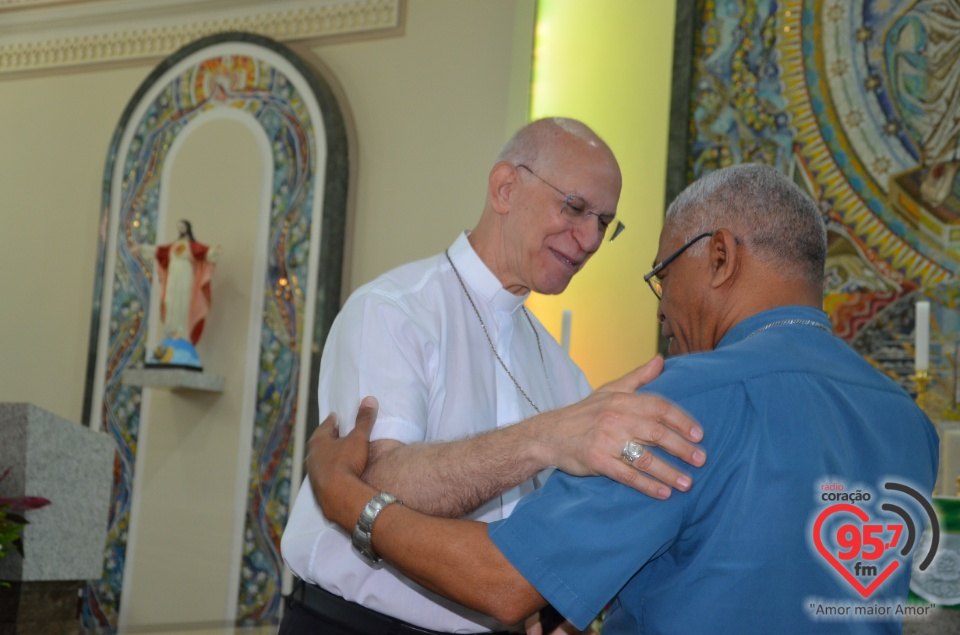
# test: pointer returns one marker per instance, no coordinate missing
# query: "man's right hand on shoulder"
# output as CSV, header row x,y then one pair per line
x,y
588,438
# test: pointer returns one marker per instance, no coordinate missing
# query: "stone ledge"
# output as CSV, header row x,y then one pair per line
x,y
173,378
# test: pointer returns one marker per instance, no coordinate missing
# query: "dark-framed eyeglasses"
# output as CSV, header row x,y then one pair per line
x,y
650,278
575,210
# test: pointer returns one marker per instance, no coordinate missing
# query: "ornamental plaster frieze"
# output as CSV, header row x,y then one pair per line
x,y
51,35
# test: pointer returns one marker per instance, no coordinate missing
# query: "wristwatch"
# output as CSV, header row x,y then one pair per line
x,y
362,533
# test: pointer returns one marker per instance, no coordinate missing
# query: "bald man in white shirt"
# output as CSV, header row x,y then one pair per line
x,y
457,360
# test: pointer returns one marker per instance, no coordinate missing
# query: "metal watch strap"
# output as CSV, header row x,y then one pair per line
x,y
362,533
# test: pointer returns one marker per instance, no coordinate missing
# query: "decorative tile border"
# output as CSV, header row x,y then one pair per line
x,y
262,82
19,4
42,37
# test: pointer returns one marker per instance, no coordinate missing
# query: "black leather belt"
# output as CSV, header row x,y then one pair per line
x,y
353,616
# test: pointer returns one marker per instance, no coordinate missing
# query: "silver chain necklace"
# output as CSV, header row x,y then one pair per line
x,y
797,321
490,340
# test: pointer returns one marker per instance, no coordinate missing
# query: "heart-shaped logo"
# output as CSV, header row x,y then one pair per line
x,y
829,557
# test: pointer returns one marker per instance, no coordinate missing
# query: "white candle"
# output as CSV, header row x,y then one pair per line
x,y
565,331
923,336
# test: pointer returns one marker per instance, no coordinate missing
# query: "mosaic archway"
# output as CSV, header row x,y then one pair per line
x,y
273,89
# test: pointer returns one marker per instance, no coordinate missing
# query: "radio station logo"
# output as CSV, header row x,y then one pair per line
x,y
866,545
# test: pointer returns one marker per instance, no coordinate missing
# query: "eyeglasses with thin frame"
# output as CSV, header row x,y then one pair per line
x,y
655,285
575,210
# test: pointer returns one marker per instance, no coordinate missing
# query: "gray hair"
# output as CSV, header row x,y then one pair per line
x,y
768,212
525,146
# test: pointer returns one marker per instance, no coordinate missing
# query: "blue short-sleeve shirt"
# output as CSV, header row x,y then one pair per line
x,y
786,406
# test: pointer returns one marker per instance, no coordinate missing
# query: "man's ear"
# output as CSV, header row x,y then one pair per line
x,y
725,256
501,186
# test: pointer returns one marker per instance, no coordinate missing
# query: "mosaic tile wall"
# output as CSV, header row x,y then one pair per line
x,y
245,82
857,100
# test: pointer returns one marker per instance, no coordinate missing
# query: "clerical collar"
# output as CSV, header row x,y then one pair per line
x,y
480,279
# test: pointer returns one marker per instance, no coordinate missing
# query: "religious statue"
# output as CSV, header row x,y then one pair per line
x,y
185,267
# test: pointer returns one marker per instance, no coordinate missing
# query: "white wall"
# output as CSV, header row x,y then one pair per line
x,y
431,109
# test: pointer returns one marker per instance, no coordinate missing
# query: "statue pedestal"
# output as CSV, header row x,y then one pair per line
x,y
64,543
173,378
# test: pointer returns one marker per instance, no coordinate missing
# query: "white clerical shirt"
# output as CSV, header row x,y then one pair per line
x,y
412,339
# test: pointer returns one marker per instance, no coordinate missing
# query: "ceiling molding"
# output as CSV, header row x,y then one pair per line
x,y
50,35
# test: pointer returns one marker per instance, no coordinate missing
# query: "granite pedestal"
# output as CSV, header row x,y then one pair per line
x,y
64,543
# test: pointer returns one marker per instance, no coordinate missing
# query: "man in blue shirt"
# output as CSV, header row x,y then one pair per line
x,y
794,420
